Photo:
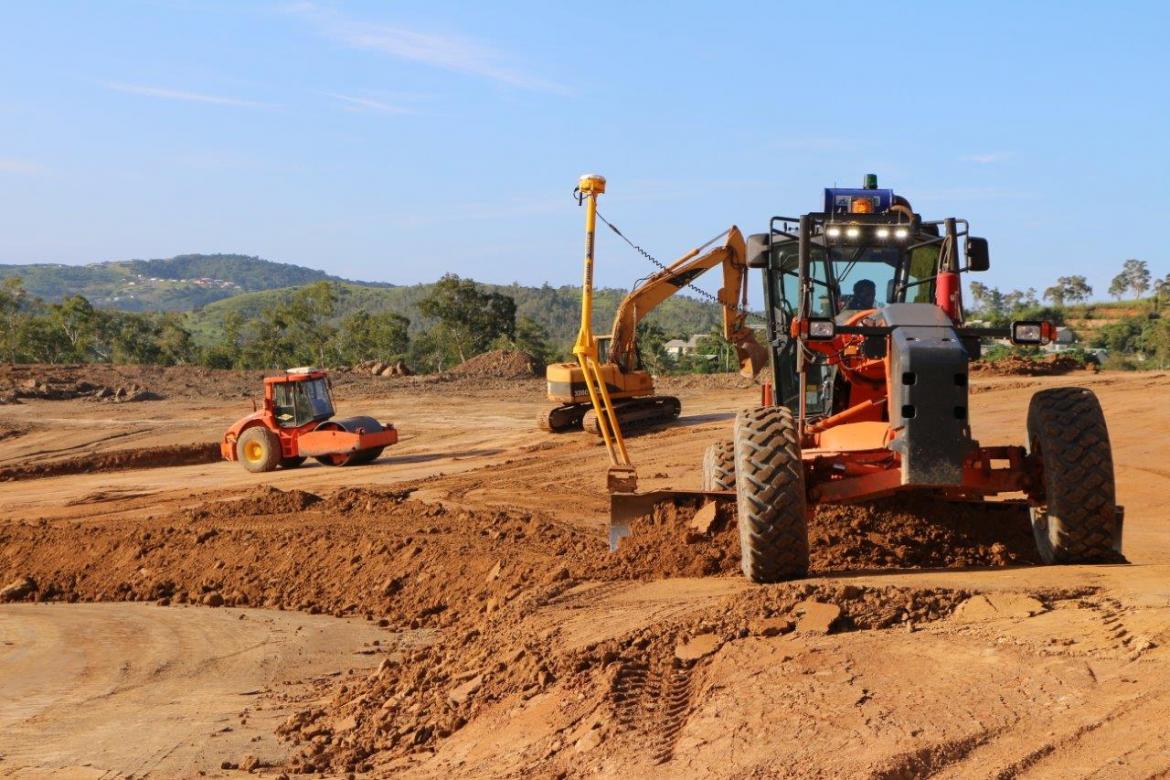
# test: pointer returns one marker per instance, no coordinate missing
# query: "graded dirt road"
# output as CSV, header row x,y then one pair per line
x,y
926,642
105,690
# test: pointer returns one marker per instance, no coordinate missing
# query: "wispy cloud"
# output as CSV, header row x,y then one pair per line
x,y
178,94
17,165
986,158
358,103
451,52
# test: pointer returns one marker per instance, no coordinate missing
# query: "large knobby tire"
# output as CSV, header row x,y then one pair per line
x,y
769,483
719,466
1067,438
258,449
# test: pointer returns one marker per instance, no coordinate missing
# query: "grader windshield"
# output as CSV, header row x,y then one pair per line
x,y
845,271
854,278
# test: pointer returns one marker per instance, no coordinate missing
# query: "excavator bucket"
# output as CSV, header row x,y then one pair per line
x,y
753,357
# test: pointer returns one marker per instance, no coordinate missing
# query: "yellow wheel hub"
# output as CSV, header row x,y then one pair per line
x,y
254,451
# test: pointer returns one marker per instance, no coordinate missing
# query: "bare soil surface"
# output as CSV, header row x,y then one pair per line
x,y
928,641
113,690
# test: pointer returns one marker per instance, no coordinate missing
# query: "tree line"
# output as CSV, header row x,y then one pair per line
x,y
1142,337
462,319
302,329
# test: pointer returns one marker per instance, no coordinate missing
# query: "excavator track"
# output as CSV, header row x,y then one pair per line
x,y
566,417
636,412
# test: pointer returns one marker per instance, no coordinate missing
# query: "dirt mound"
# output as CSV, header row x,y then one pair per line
x,y
11,430
357,551
664,544
1015,365
498,364
263,500
895,533
474,596
117,460
57,390
721,381
920,533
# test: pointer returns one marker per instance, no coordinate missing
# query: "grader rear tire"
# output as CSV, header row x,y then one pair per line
x,y
1067,437
259,450
769,483
719,466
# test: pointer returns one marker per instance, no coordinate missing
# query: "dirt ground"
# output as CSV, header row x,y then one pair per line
x,y
452,610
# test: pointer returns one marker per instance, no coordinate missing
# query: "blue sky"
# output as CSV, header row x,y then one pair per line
x,y
395,141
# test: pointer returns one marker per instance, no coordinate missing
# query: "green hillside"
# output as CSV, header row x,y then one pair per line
x,y
181,283
556,308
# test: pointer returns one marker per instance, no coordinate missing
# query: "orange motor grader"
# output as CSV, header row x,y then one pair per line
x,y
869,394
296,422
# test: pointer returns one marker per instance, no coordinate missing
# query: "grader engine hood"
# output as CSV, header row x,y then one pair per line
x,y
928,394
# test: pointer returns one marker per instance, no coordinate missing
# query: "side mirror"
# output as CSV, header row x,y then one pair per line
x,y
758,245
891,290
977,256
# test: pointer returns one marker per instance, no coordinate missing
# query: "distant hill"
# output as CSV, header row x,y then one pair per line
x,y
209,286
180,283
558,309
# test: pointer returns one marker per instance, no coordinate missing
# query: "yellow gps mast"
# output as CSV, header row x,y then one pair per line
x,y
621,476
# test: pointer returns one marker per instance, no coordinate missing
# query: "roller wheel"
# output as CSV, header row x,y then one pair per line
x,y
292,463
258,449
719,466
352,424
367,456
340,459
769,483
1077,520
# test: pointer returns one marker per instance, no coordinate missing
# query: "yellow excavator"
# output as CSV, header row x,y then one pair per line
x,y
630,386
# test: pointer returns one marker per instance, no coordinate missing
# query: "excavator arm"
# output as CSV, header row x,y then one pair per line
x,y
657,288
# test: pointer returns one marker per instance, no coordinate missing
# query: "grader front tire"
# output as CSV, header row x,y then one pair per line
x,y
769,480
1067,437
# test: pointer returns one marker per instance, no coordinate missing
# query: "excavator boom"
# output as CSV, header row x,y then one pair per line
x,y
732,296
618,380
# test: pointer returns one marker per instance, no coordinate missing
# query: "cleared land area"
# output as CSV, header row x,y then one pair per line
x,y
452,608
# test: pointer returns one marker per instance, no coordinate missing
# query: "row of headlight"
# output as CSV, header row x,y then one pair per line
x,y
881,232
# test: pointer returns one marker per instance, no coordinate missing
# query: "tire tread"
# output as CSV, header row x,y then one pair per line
x,y
771,500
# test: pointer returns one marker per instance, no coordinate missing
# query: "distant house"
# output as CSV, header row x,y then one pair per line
x,y
1066,338
676,348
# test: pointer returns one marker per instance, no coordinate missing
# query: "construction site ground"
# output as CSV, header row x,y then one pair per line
x,y
452,609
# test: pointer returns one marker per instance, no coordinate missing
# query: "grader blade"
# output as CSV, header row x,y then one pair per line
x,y
625,507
